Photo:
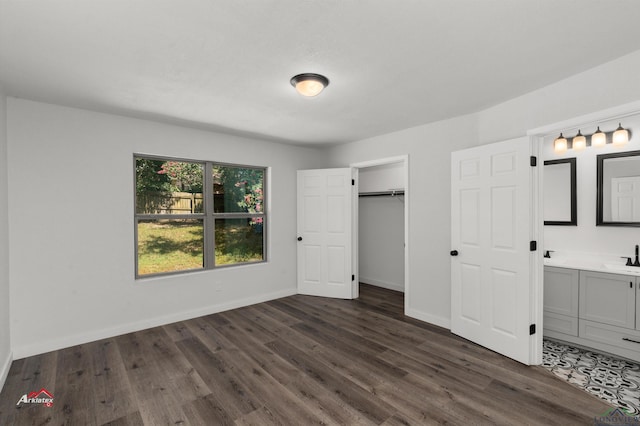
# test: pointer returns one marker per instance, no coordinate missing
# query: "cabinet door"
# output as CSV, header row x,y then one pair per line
x,y
637,304
608,298
561,291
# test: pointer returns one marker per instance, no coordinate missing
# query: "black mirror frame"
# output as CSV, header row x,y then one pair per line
x,y
574,194
600,196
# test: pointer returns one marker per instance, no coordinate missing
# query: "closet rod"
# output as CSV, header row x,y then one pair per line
x,y
381,194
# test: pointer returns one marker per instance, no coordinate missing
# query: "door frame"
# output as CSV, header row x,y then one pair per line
x,y
537,136
404,159
536,264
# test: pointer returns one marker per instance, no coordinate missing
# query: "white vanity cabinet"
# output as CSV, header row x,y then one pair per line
x,y
561,300
593,309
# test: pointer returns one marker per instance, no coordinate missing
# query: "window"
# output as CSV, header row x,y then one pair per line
x,y
195,215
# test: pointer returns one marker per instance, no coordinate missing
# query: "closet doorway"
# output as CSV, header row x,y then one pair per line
x,y
381,224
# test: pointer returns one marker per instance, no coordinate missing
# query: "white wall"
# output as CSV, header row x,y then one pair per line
x,y
70,204
587,237
71,220
5,341
384,177
429,148
381,241
381,227
608,85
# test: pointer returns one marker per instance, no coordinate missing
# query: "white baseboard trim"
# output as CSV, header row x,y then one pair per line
x,y
78,339
4,370
431,319
383,284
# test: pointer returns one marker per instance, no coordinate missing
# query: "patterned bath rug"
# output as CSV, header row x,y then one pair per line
x,y
615,380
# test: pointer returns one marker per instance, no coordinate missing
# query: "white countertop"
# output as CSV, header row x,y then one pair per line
x,y
592,262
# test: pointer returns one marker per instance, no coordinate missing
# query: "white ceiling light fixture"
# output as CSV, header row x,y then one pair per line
x,y
309,84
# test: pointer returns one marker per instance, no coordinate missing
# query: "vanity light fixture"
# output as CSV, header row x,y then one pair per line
x,y
620,136
599,138
309,84
579,141
560,144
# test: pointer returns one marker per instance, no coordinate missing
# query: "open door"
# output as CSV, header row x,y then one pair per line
x,y
490,264
325,237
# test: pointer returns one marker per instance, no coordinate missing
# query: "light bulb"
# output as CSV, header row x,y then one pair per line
x,y
579,141
560,144
599,138
620,136
309,84
309,87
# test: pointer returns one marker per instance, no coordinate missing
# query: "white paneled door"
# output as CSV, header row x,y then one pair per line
x,y
325,239
625,199
490,237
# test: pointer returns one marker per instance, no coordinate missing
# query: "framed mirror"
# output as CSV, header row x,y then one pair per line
x,y
560,197
618,189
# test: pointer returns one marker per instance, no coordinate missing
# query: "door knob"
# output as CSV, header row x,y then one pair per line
x,y
454,252
299,238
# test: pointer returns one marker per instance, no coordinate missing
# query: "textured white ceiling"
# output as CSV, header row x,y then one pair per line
x,y
225,64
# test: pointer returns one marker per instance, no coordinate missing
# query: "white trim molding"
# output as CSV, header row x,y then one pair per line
x,y
4,370
429,318
384,284
407,217
78,339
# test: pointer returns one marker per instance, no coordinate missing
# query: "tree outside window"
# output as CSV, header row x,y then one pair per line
x,y
194,215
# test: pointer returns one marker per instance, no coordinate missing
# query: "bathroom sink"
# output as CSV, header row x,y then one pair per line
x,y
621,268
552,261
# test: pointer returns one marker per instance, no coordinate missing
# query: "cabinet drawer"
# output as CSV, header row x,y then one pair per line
x,y
610,335
560,323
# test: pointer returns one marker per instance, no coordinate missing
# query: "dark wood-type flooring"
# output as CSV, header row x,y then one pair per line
x,y
299,360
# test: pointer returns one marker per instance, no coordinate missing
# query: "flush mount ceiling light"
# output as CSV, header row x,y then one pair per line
x,y
309,84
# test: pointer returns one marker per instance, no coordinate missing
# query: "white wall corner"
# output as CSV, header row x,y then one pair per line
x,y
78,339
384,284
4,369
429,318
